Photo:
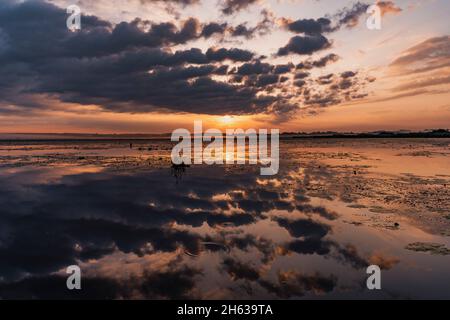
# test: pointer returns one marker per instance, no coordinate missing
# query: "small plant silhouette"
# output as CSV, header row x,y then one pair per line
x,y
178,170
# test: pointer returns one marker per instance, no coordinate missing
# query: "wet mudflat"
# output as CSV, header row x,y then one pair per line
x,y
140,229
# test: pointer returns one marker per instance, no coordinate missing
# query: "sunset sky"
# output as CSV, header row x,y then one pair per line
x,y
150,66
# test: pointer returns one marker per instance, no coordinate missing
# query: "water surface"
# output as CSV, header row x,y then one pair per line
x,y
213,232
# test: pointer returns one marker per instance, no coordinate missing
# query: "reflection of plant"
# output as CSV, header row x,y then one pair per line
x,y
178,170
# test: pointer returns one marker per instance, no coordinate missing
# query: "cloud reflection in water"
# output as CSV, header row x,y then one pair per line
x,y
214,234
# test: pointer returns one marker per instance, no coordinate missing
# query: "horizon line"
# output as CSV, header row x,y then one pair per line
x,y
284,132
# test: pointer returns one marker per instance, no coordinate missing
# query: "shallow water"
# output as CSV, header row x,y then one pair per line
x,y
226,232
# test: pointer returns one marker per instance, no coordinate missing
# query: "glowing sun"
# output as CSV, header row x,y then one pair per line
x,y
227,120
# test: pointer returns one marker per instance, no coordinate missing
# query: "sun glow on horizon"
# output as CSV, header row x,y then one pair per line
x,y
227,120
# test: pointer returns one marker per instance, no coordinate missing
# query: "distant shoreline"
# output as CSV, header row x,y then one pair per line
x,y
379,135
62,137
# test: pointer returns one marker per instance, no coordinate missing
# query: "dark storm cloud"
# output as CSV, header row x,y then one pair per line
x,y
214,28
256,67
267,79
242,30
232,6
323,99
122,68
37,29
348,74
309,26
172,7
299,83
320,63
143,60
305,45
283,68
311,38
324,61
349,17
342,84
177,88
262,27
334,89
231,54
133,67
